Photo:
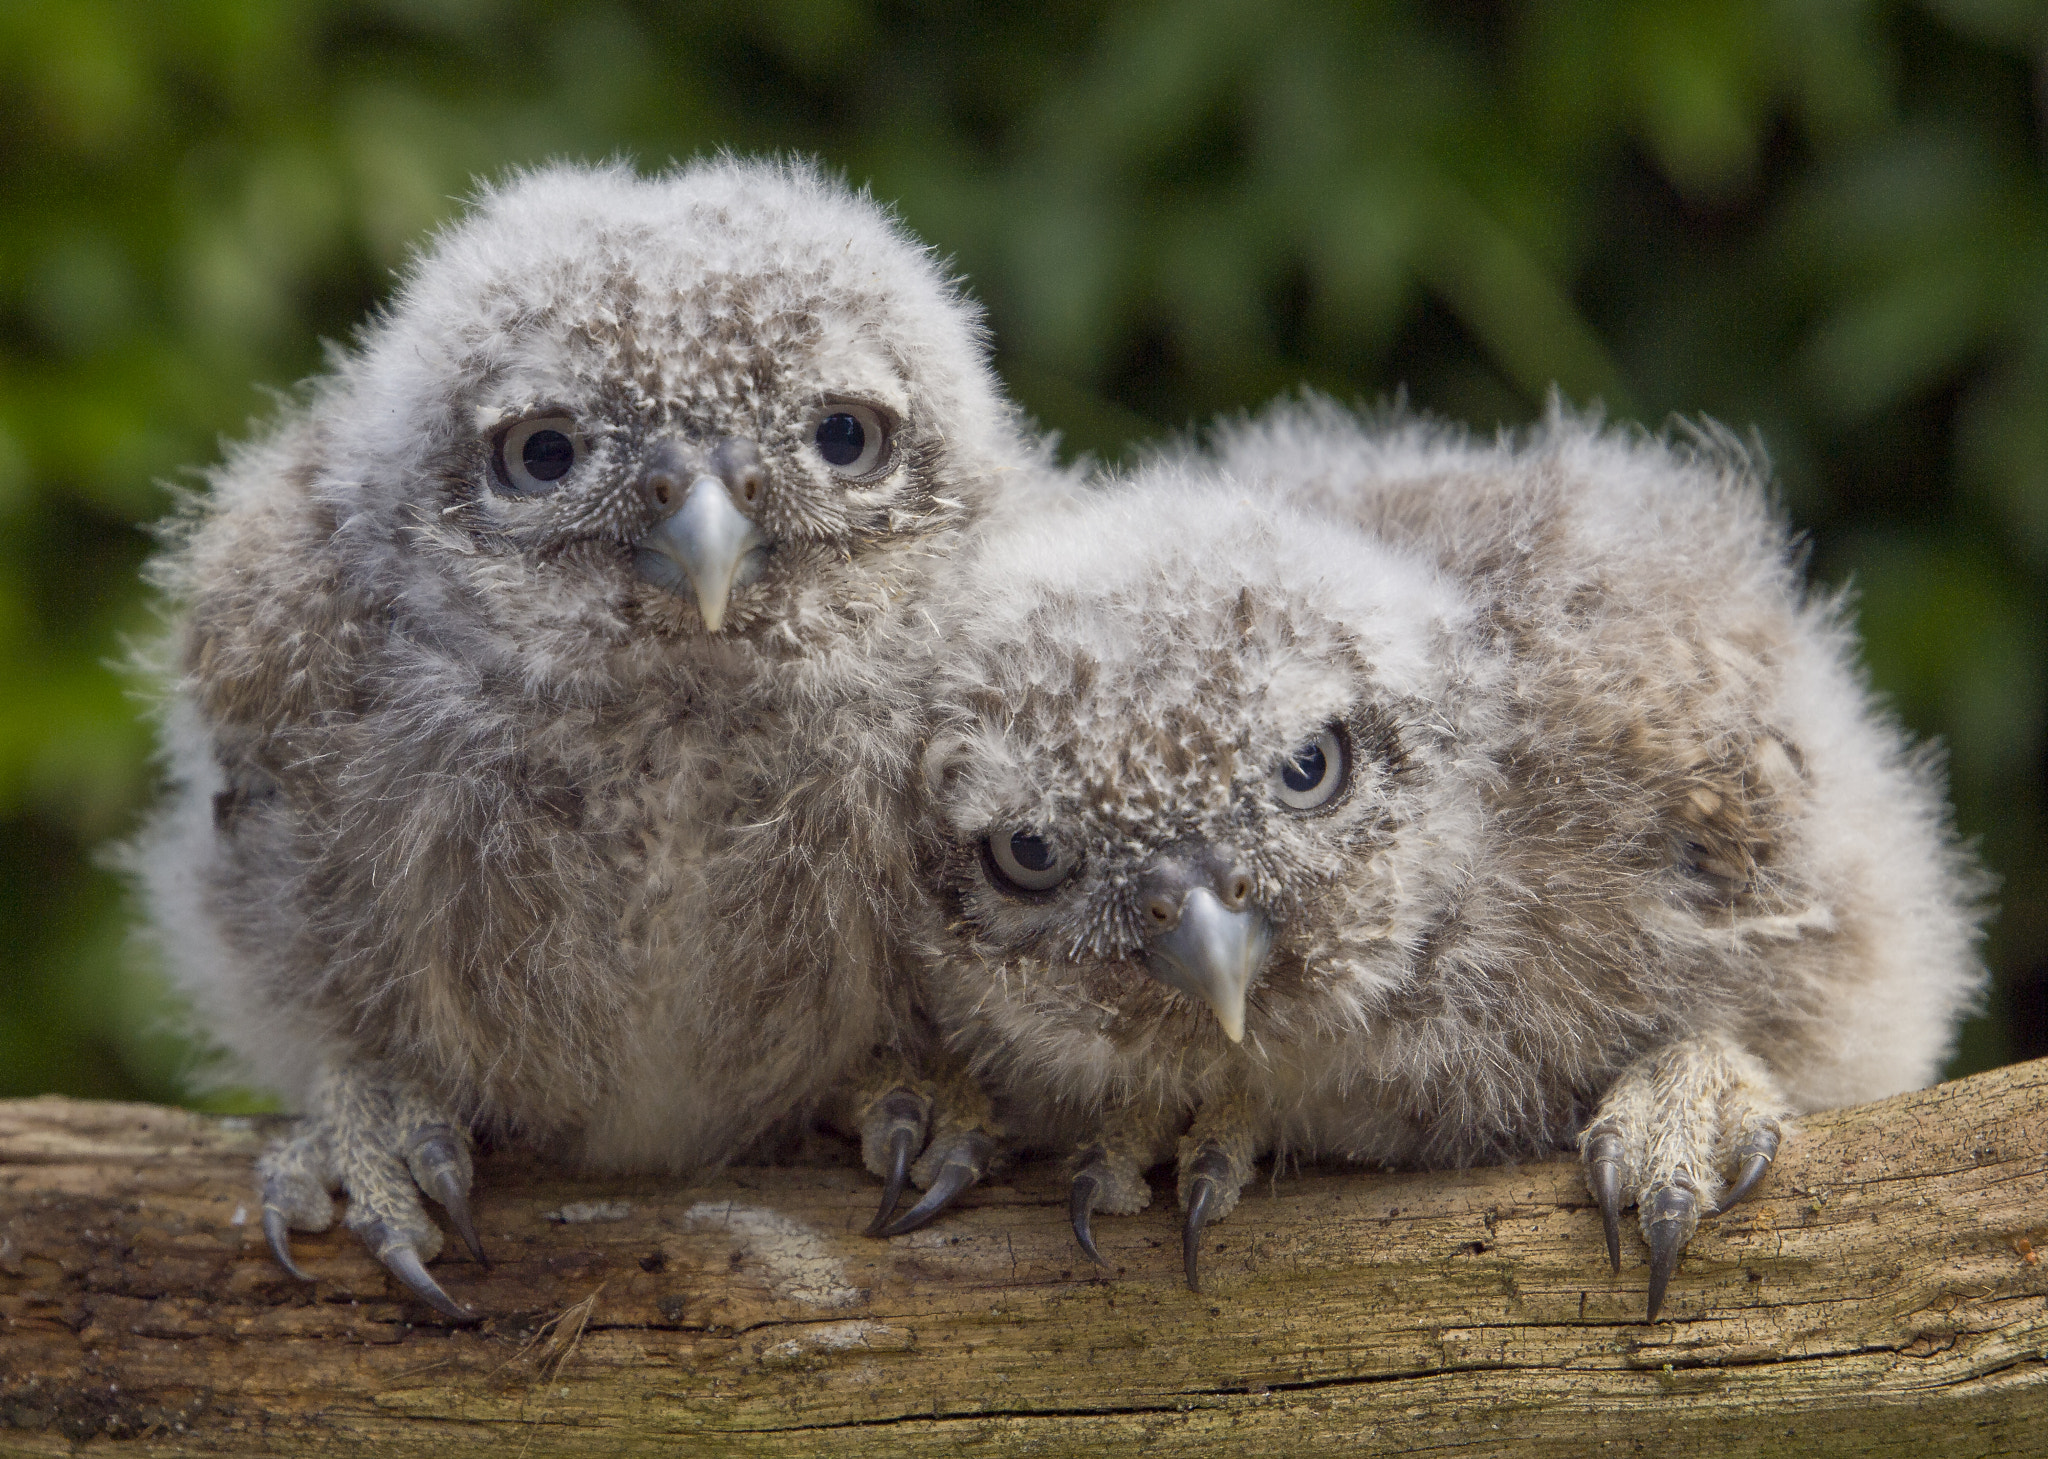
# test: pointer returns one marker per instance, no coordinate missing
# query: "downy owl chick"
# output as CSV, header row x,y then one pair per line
x,y
482,653
1365,793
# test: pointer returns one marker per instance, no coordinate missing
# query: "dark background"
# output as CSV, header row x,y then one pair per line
x,y
1822,219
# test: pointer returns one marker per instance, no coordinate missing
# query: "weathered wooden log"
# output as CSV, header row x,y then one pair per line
x,y
1882,1296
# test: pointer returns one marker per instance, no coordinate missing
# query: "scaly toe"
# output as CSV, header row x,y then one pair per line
x,y
1670,1215
402,1259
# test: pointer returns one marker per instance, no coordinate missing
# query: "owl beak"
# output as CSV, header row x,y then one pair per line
x,y
708,545
1213,954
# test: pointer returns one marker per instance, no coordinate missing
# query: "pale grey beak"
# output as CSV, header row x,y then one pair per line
x,y
1213,953
708,544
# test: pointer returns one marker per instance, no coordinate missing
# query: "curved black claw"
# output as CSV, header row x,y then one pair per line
x,y
1212,1168
1603,1173
279,1235
1756,1154
1673,1216
902,1146
402,1259
404,1263
906,1111
439,1163
959,1168
1081,1199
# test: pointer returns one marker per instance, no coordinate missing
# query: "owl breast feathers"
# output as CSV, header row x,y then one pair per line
x,y
1358,791
485,656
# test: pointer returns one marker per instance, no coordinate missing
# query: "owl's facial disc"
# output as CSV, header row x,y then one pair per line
x,y
1204,935
705,545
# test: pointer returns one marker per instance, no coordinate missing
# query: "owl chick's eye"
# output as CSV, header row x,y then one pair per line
x,y
1310,778
1022,860
532,456
853,439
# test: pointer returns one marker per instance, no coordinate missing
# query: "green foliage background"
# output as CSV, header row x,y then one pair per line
x,y
1822,218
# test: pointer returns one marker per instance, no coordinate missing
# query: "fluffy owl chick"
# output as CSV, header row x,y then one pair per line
x,y
484,654
1411,802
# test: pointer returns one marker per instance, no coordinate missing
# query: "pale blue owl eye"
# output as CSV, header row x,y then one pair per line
x,y
1022,859
1311,776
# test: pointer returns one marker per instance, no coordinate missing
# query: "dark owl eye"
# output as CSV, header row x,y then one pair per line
x,y
533,456
1025,861
1312,775
853,439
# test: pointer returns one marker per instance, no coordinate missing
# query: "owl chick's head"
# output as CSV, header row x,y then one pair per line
x,y
713,404
1195,761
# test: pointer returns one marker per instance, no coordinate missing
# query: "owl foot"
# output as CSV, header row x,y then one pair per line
x,y
1664,1134
894,1124
382,1144
1216,1158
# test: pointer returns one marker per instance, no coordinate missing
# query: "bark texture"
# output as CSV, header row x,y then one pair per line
x,y
1880,1296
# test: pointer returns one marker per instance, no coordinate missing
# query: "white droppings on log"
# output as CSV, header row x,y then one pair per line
x,y
799,1265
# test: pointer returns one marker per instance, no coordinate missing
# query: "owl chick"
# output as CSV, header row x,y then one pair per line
x,y
484,655
1365,793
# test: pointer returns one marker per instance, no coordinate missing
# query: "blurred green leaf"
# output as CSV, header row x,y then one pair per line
x,y
1956,638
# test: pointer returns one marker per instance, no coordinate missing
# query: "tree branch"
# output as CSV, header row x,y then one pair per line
x,y
1880,1296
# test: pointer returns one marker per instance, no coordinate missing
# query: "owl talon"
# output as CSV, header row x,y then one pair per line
x,y
442,1172
1667,1130
278,1233
902,1146
402,1259
1670,1217
894,1127
960,1165
1603,1173
1205,1191
1752,1171
1756,1154
1082,1197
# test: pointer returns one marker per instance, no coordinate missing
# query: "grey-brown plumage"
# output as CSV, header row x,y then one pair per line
x,y
492,661
1361,792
